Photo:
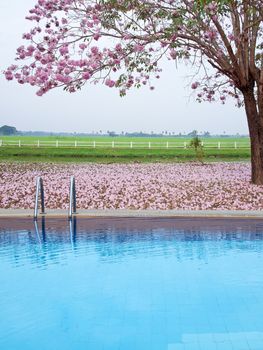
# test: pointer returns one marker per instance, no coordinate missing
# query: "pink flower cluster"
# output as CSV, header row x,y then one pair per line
x,y
64,51
134,186
122,44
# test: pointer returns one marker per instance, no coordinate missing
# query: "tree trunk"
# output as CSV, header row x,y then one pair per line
x,y
255,125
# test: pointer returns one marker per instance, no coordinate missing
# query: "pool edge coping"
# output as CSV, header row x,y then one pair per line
x,y
124,213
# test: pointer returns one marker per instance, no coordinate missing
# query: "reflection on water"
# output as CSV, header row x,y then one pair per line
x,y
113,242
131,284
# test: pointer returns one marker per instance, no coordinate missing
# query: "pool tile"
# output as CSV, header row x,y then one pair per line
x,y
240,344
224,346
221,337
255,344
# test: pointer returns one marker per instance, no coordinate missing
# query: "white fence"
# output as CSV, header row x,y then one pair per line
x,y
121,144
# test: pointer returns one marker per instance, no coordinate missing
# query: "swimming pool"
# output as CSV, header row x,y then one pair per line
x,y
131,284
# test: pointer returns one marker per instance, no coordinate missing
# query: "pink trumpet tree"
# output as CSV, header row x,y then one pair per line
x,y
121,43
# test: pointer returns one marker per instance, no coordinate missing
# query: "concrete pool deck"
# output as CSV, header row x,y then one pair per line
x,y
125,213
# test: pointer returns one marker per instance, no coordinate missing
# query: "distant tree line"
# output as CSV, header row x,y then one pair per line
x,y
166,134
11,130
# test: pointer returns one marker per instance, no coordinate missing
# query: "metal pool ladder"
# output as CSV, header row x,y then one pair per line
x,y
72,198
39,192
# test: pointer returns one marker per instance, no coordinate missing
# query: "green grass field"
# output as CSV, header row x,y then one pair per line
x,y
34,139
50,153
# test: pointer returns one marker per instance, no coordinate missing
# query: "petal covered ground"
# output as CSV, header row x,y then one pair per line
x,y
133,186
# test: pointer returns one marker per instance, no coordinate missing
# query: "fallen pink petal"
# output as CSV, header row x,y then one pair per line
x,y
214,186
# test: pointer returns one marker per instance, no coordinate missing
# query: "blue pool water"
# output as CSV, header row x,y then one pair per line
x,y
131,284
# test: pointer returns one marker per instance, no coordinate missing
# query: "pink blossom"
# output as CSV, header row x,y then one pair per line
x,y
86,75
110,83
173,54
195,85
138,48
96,36
64,50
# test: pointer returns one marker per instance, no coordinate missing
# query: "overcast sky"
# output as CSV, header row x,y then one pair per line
x,y
168,107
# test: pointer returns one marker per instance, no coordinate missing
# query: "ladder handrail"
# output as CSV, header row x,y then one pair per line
x,y
72,198
39,191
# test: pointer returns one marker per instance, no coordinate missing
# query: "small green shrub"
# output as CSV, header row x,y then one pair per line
x,y
196,144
